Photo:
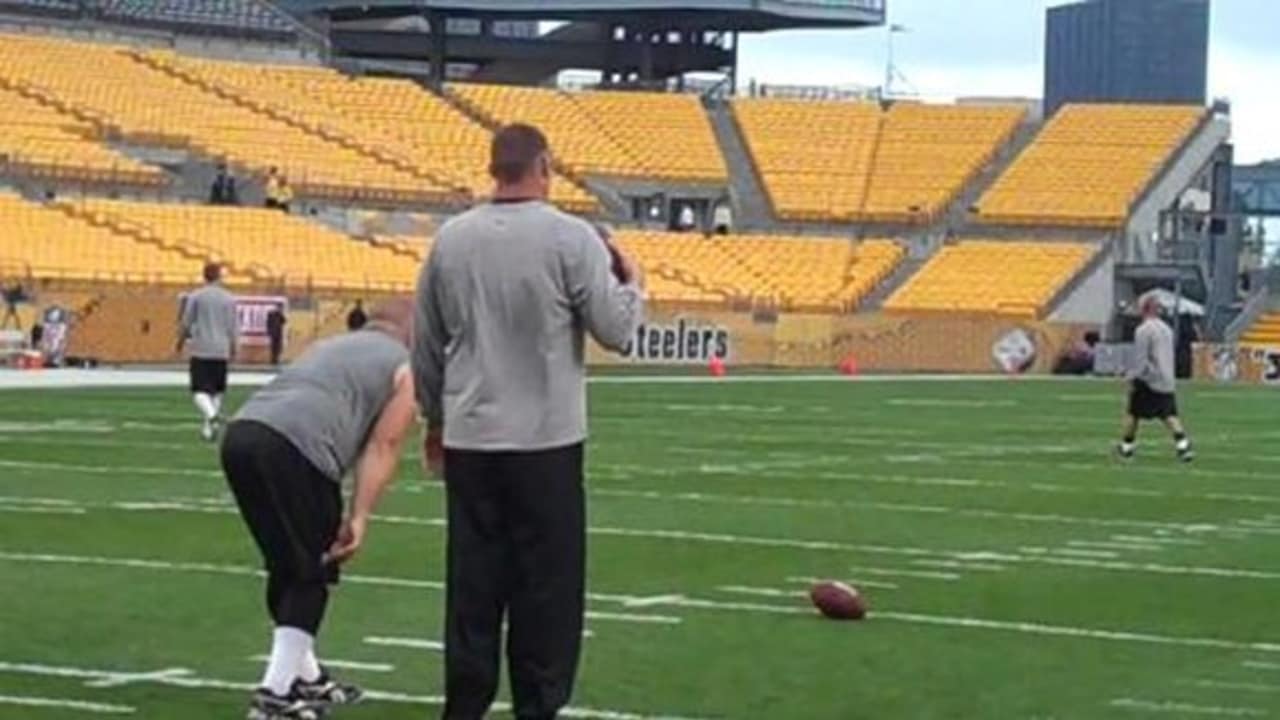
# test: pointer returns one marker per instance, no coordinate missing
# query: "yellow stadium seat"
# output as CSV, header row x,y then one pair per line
x,y
1088,165
992,277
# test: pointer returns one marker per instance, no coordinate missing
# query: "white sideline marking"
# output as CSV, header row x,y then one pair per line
x,y
107,469
1115,545
1259,665
634,618
1247,687
920,574
339,664
402,642
880,584
51,502
122,679
89,707
1162,706
191,682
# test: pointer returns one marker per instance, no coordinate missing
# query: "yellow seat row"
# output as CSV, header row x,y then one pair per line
x,y
45,242
795,273
136,97
39,140
851,161
630,135
265,244
1088,165
1265,332
1011,278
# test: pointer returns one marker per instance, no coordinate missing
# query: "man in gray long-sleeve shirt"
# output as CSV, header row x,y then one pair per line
x,y
503,304
1153,381
209,331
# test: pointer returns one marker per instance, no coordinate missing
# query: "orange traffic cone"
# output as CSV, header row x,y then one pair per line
x,y
715,366
849,366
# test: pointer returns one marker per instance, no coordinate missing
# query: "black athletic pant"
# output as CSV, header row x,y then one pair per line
x,y
293,512
517,546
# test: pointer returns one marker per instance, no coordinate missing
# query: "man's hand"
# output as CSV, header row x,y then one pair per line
x,y
433,452
350,538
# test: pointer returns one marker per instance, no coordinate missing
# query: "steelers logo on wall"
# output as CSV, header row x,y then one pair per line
x,y
1014,352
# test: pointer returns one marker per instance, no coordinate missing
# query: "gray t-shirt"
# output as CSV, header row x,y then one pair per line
x,y
327,401
503,304
209,323
1153,355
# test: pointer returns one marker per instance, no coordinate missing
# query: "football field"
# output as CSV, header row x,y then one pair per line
x,y
1015,570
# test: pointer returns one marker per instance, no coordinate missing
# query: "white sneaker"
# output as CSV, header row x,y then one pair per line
x,y
207,431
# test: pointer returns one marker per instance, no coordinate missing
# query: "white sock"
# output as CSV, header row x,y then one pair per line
x,y
204,403
217,405
289,647
309,670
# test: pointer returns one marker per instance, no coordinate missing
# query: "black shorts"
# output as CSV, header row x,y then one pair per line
x,y
1147,404
292,509
208,376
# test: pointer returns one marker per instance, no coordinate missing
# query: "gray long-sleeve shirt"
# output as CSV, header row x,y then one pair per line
x,y
1153,355
502,307
209,323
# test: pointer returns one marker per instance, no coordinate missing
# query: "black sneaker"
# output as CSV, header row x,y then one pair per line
x,y
1186,453
266,705
327,691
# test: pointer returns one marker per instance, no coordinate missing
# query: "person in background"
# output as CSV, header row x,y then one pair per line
x,y
209,330
13,294
276,321
279,193
504,304
722,217
1153,383
223,191
356,318
687,219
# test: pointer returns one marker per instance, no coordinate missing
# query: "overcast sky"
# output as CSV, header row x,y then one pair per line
x,y
996,47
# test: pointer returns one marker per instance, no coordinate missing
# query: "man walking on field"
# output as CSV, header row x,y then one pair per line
x,y
343,407
503,304
1153,382
209,331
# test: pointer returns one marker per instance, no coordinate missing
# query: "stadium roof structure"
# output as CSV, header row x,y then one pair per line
x,y
739,15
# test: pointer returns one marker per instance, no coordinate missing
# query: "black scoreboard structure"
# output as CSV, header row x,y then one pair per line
x,y
638,43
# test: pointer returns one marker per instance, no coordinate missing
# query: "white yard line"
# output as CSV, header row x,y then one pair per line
x,y
1074,552
1241,686
193,682
404,642
122,679
633,618
1115,545
1259,665
37,510
354,665
856,582
761,591
64,704
1181,708
959,565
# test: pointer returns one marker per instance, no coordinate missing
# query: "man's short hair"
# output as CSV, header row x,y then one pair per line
x,y
515,152
212,272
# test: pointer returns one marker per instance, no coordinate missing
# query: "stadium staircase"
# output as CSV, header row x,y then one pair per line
x,y
1087,296
957,215
751,207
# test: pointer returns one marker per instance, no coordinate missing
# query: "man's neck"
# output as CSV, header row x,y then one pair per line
x,y
517,193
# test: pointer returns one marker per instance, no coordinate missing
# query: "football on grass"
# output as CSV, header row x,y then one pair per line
x,y
838,601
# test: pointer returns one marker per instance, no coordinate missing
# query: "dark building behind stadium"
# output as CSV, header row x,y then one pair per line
x,y
1127,50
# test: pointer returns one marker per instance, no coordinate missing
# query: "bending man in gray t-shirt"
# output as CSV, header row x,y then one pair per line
x,y
344,406
1153,382
504,303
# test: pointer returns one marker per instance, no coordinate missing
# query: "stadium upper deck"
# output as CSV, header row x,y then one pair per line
x,y
746,15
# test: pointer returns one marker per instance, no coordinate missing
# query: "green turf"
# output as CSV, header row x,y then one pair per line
x,y
698,487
